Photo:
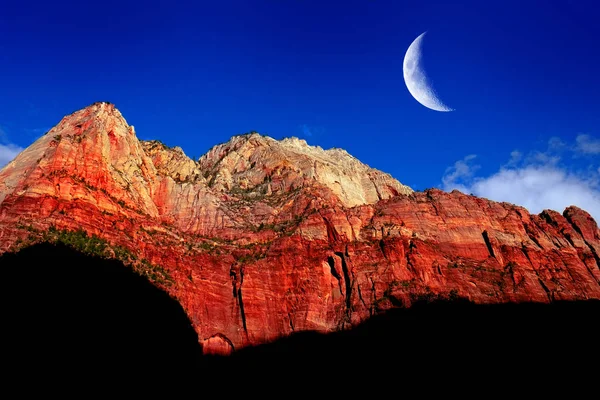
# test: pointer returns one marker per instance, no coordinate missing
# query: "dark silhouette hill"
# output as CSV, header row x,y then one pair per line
x,y
440,348
67,315
443,335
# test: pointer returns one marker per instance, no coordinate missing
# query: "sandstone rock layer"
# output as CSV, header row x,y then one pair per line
x,y
260,238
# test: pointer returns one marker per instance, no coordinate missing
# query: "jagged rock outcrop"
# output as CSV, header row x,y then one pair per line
x,y
261,238
172,162
258,163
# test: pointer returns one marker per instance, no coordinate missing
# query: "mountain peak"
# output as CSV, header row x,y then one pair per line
x,y
248,161
93,147
101,111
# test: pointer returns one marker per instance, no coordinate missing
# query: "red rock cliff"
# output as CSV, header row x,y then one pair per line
x,y
260,238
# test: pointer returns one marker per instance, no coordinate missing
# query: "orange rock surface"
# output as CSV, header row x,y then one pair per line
x,y
260,238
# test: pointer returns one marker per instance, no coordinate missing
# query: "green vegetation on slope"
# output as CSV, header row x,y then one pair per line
x,y
98,247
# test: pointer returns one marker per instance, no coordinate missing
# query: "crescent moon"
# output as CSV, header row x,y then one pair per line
x,y
416,80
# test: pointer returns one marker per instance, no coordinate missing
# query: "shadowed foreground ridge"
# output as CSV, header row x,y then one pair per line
x,y
67,313
440,334
440,348
71,316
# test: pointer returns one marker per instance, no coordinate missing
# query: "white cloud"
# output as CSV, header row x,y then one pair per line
x,y
587,145
539,188
556,144
8,150
311,130
460,171
8,153
537,182
515,157
542,158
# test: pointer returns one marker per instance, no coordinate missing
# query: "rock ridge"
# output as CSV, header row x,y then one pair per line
x,y
260,238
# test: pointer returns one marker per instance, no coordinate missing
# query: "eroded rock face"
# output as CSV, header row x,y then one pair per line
x,y
172,162
261,238
257,162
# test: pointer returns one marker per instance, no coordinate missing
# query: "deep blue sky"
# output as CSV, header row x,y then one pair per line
x,y
193,75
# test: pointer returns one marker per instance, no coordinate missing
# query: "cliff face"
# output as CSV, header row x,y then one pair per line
x,y
261,238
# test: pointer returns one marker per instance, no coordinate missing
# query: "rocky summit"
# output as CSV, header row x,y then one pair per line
x,y
260,238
